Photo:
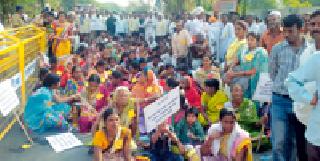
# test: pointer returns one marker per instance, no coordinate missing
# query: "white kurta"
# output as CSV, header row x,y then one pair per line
x,y
150,25
226,37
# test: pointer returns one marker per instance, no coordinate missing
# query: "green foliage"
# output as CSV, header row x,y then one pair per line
x,y
109,7
297,3
315,2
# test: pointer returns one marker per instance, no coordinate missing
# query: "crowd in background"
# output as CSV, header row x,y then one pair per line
x,y
105,68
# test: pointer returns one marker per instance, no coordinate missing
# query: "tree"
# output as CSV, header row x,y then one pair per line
x,y
297,3
315,2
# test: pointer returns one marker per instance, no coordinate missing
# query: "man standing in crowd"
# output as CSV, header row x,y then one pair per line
x,y
84,26
274,34
188,25
149,26
120,27
180,43
141,25
17,18
226,36
166,24
285,58
252,25
160,29
111,25
261,25
308,72
133,25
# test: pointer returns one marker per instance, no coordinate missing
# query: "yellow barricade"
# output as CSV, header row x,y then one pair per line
x,y
20,52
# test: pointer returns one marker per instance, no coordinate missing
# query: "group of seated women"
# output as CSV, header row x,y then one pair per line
x,y
110,104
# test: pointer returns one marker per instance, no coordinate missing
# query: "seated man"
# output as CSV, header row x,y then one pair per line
x,y
226,140
189,129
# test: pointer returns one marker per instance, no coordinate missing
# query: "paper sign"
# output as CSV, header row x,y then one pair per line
x,y
161,109
263,91
225,6
63,142
16,81
8,98
29,69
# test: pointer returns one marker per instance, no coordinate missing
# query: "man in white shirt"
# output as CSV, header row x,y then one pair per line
x,y
262,26
167,25
134,26
252,25
188,23
126,24
160,29
199,26
120,27
213,38
150,25
226,36
85,24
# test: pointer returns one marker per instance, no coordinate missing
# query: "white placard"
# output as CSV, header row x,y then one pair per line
x,y
16,81
29,69
225,6
63,141
162,109
263,91
8,97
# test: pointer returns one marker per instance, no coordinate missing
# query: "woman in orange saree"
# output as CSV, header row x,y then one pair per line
x,y
145,91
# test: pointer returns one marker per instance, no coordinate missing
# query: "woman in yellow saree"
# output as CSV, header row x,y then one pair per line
x,y
61,46
113,142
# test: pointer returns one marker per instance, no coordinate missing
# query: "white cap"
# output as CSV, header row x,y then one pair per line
x,y
277,13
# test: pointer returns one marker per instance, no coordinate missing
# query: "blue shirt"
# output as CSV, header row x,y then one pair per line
x,y
308,72
283,59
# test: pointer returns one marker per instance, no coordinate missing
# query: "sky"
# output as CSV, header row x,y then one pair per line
x,y
122,3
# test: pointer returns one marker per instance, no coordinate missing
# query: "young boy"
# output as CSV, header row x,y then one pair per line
x,y
189,129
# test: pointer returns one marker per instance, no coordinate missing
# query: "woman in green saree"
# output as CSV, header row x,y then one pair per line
x,y
252,61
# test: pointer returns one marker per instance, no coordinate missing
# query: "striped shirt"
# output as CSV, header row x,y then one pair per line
x,y
283,59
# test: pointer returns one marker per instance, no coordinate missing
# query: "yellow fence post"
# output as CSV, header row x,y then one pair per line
x,y
21,69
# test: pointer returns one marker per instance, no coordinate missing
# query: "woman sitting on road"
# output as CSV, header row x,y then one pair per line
x,y
46,109
113,142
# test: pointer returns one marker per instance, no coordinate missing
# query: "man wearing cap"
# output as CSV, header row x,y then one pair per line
x,y
17,20
274,34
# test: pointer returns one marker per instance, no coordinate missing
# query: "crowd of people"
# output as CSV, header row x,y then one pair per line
x,y
105,68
